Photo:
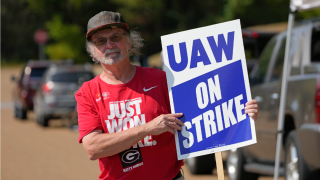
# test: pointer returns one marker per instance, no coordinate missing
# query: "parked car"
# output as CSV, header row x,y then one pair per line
x,y
55,98
26,85
300,157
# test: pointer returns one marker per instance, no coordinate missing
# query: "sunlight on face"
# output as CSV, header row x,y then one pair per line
x,y
112,52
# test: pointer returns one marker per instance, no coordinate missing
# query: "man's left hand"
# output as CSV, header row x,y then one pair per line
x,y
252,109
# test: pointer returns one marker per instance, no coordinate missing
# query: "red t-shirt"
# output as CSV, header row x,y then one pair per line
x,y
115,108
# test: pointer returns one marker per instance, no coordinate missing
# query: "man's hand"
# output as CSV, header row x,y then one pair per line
x,y
252,109
164,123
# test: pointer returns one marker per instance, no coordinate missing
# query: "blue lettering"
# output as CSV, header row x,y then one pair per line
x,y
197,47
199,54
172,59
222,45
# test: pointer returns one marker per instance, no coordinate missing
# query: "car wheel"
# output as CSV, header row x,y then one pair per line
x,y
42,119
201,164
235,166
15,112
20,113
295,166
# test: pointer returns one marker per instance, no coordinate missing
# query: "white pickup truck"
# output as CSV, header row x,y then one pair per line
x,y
300,156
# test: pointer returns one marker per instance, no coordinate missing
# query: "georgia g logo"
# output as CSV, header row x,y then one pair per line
x,y
130,156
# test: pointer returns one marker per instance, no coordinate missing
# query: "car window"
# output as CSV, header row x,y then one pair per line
x,y
261,71
315,45
277,70
69,77
37,72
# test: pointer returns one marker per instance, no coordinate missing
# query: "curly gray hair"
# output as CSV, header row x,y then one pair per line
x,y
133,38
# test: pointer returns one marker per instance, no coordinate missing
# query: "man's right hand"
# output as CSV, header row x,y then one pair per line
x,y
164,123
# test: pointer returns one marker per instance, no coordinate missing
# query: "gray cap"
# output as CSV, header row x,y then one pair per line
x,y
104,20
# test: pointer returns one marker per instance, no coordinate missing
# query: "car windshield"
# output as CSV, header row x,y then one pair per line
x,y
37,72
67,77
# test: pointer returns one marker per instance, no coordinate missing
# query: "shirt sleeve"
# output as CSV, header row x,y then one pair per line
x,y
88,116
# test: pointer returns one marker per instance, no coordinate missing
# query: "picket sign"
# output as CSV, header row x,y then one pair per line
x,y
208,82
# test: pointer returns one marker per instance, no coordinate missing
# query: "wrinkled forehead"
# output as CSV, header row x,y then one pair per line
x,y
107,33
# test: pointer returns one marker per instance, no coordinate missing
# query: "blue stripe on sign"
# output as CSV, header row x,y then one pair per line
x,y
185,100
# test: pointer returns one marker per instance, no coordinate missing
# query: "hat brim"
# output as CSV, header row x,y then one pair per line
x,y
123,26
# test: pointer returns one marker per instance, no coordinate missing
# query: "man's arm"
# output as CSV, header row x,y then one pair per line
x,y
98,144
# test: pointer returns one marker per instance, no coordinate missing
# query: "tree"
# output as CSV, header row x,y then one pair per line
x,y
66,21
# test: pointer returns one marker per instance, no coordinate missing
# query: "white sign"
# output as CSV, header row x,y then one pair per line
x,y
208,82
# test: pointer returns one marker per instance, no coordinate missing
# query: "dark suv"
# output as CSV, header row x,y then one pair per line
x,y
55,98
29,81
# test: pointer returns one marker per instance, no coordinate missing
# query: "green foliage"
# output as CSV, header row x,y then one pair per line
x,y
66,21
69,40
308,14
35,5
233,7
61,50
60,31
160,17
21,18
77,4
262,12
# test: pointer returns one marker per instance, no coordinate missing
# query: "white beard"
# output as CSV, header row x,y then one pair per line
x,y
111,59
114,58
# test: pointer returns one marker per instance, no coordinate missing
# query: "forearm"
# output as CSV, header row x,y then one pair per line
x,y
99,145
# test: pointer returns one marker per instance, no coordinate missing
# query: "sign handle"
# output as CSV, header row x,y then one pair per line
x,y
219,166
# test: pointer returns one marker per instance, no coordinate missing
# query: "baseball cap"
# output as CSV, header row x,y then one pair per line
x,y
104,20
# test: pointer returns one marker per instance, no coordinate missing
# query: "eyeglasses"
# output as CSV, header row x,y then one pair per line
x,y
114,38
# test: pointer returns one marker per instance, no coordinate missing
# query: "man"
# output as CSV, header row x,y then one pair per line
x,y
124,113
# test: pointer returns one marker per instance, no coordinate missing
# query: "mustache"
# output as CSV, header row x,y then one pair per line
x,y
117,50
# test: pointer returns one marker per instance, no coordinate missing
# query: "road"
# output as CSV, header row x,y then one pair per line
x,y
31,152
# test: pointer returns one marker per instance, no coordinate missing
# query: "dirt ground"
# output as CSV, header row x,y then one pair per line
x,y
30,152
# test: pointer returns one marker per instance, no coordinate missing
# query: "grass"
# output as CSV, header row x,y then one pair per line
x,y
11,63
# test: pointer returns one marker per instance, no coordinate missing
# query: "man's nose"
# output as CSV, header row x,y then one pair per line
x,y
109,44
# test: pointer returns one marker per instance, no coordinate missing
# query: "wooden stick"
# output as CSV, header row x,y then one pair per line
x,y
219,166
